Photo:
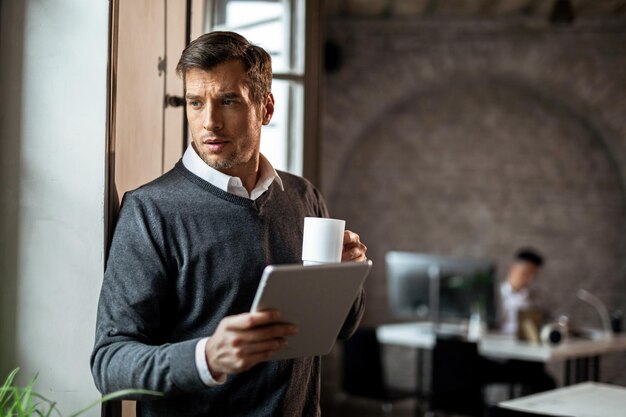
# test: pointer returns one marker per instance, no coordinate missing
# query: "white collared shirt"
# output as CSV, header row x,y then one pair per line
x,y
512,302
233,185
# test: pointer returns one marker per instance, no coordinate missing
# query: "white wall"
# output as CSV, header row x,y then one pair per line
x,y
53,153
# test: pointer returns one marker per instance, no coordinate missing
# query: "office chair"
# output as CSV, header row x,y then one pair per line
x,y
456,384
363,372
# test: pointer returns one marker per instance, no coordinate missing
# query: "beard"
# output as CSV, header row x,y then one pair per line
x,y
230,160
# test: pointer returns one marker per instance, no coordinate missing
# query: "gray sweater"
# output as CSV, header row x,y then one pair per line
x,y
184,255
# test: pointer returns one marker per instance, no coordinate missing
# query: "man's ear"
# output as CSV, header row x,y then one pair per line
x,y
268,109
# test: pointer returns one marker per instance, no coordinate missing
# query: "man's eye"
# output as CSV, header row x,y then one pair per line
x,y
194,103
228,102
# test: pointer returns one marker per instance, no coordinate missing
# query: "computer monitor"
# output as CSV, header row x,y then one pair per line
x,y
439,288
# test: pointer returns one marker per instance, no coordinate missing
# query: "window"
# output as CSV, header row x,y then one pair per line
x,y
277,26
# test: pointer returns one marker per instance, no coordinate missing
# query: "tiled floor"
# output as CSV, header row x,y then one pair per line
x,y
342,406
360,408
352,407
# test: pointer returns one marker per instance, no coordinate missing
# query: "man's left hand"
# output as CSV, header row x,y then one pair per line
x,y
353,249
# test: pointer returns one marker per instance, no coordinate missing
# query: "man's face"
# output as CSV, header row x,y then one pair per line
x,y
225,123
522,274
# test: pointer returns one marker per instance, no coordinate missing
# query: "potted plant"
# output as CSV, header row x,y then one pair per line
x,y
18,401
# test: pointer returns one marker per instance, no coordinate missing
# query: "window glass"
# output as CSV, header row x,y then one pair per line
x,y
264,23
281,140
272,144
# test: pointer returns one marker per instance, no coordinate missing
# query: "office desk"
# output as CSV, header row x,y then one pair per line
x,y
583,352
589,399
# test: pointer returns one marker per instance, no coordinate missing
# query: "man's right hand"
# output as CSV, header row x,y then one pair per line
x,y
244,340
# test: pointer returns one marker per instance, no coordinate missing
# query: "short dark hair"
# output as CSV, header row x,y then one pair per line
x,y
529,255
215,48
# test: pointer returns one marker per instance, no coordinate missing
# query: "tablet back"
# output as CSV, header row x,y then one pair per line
x,y
315,298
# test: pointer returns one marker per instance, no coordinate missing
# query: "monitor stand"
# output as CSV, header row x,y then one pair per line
x,y
435,325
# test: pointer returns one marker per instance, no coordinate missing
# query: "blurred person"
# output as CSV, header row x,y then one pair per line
x,y
516,292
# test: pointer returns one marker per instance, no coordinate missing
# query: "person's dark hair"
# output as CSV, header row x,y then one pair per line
x,y
215,48
529,255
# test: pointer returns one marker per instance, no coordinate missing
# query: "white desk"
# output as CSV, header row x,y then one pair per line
x,y
416,336
502,346
589,399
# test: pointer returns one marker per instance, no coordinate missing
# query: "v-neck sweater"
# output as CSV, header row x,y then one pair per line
x,y
184,255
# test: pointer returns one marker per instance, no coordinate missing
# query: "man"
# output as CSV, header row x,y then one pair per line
x,y
515,292
516,295
189,249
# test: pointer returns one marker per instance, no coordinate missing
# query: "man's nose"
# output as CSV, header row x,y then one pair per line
x,y
212,118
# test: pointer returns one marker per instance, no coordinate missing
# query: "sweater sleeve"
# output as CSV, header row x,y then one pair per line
x,y
358,308
354,317
129,350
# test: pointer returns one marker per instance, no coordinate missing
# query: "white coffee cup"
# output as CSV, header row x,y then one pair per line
x,y
322,242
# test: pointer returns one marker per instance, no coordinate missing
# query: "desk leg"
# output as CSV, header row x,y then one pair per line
x,y
419,406
567,377
420,371
596,368
579,370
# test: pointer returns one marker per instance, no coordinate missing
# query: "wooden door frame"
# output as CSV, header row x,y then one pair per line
x,y
314,24
111,205
112,201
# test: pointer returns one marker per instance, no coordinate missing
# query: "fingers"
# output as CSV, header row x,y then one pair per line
x,y
246,356
247,321
353,249
354,254
267,346
350,237
261,334
244,340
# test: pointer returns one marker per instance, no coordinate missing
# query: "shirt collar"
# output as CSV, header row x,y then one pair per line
x,y
225,182
268,174
507,290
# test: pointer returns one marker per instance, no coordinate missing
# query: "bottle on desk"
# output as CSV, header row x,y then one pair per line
x,y
476,327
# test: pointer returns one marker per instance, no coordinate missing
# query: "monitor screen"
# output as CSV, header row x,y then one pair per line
x,y
440,288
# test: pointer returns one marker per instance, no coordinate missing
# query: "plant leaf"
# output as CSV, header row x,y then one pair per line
x,y
7,385
117,394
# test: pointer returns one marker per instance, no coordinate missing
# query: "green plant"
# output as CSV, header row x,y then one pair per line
x,y
18,401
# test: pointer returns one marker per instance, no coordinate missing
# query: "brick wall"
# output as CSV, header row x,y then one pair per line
x,y
471,138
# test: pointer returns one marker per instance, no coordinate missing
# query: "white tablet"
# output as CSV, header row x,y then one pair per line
x,y
315,298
